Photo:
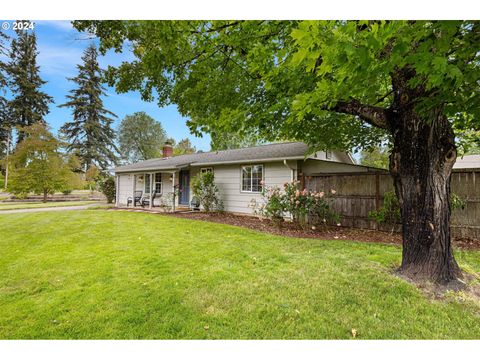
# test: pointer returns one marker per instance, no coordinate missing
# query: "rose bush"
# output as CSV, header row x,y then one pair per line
x,y
303,206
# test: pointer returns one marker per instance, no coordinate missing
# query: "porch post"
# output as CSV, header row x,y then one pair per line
x,y
133,190
117,191
150,203
173,185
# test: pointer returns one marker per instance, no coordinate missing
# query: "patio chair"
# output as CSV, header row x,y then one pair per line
x,y
137,197
146,199
195,203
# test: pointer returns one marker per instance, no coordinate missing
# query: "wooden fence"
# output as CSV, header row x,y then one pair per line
x,y
359,193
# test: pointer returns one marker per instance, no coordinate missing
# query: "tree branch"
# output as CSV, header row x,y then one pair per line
x,y
373,115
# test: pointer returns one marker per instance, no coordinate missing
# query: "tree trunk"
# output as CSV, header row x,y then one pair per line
x,y
45,194
421,164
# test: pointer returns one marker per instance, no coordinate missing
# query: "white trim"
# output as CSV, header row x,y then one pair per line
x,y
251,179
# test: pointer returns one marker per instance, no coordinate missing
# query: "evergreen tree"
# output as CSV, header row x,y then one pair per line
x,y
29,104
4,116
90,133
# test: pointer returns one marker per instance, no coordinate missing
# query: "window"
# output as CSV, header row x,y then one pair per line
x,y
205,170
147,183
158,183
252,178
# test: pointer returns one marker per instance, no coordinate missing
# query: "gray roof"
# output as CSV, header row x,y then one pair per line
x,y
467,162
271,152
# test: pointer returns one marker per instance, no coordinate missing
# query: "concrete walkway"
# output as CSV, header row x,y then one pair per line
x,y
59,208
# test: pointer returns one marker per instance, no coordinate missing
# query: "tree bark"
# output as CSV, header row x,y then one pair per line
x,y
421,164
45,194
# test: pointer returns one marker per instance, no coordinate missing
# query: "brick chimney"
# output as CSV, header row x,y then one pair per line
x,y
167,150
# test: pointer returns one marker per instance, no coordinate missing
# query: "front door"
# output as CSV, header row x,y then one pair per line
x,y
184,187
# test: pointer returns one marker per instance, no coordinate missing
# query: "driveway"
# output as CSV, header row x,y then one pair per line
x,y
60,208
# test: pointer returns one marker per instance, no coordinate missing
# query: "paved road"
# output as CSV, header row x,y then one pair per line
x,y
59,208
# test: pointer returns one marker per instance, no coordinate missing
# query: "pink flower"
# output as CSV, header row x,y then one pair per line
x,y
261,182
304,192
321,194
297,202
297,193
333,191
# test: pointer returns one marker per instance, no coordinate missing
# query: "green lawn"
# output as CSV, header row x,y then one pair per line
x,y
112,274
34,205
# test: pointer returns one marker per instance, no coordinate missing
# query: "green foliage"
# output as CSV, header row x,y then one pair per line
x,y
38,166
304,206
389,213
226,141
140,137
90,134
184,146
456,202
204,188
29,104
377,157
286,79
108,188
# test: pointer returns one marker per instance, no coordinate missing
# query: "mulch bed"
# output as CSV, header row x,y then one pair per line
x,y
319,232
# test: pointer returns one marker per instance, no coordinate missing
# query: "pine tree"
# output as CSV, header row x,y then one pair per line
x,y
90,133
29,104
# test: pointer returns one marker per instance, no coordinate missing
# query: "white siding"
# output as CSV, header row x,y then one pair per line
x,y
125,188
228,180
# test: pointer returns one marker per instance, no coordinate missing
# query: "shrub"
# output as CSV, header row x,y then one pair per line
x,y
390,214
274,205
67,191
107,187
304,206
204,188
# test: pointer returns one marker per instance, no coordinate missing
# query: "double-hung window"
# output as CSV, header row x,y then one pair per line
x,y
147,183
205,170
252,178
158,183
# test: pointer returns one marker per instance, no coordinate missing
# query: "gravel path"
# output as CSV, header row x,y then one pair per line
x,y
59,208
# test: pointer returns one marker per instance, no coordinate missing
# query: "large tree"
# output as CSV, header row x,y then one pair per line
x,y
5,126
140,137
29,104
335,84
39,166
90,134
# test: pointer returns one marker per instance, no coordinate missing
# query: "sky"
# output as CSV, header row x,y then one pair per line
x,y
60,48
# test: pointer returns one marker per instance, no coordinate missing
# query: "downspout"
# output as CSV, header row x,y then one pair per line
x,y
292,177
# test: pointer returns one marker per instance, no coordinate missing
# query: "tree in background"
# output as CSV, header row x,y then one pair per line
x,y
90,134
376,157
226,140
184,146
38,166
29,104
140,137
5,125
332,84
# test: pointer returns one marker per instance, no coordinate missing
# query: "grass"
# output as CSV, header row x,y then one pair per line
x,y
111,274
34,205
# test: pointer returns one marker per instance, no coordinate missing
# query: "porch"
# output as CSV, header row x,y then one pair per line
x,y
165,190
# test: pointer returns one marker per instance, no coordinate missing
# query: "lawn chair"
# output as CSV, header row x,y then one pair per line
x,y
195,203
146,199
137,197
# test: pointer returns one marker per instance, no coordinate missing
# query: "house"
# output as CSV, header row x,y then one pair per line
x,y
467,162
239,174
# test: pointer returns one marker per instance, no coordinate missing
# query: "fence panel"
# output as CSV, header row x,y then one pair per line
x,y
359,193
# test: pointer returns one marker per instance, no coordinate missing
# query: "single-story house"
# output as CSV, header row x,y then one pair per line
x,y
239,173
